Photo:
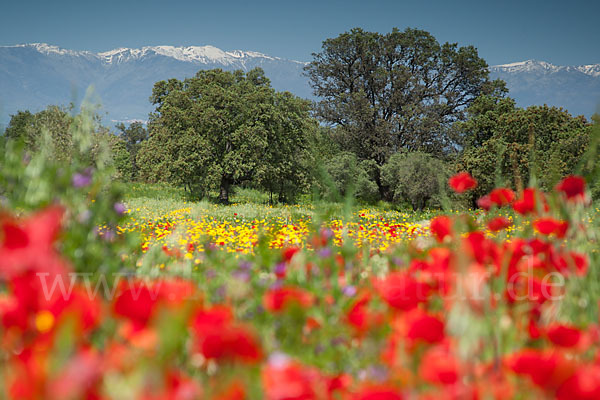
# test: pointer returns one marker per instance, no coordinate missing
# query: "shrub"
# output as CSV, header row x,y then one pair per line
x,y
345,175
415,177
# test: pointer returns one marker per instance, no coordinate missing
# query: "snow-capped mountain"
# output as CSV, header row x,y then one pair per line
x,y
533,66
35,75
575,88
204,55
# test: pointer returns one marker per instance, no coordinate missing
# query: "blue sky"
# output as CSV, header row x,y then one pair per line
x,y
560,32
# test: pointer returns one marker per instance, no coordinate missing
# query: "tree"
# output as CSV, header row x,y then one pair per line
x,y
401,90
21,127
222,128
132,136
415,177
54,129
346,175
286,163
509,145
54,120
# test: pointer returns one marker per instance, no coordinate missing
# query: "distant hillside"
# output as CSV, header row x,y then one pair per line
x,y
33,76
575,88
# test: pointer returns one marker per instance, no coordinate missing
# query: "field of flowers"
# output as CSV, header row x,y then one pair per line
x,y
185,231
105,296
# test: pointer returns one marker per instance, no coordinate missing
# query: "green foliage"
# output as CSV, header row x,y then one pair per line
x,y
482,118
51,131
401,90
287,162
416,177
220,129
131,137
21,127
83,187
29,128
344,175
508,146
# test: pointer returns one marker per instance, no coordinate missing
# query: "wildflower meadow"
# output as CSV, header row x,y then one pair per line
x,y
106,294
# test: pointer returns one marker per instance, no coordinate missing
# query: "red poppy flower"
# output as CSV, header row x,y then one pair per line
x,y
85,308
229,342
548,226
277,300
498,223
358,314
527,203
485,202
136,302
571,262
288,380
441,227
28,244
462,182
546,369
377,392
289,252
584,384
564,335
219,337
573,187
425,327
502,196
402,291
439,366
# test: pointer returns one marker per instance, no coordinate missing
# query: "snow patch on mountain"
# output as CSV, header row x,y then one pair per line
x,y
194,54
545,67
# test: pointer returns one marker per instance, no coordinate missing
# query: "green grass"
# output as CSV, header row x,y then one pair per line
x,y
156,200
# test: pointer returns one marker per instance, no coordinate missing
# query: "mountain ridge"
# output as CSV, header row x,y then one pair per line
x,y
181,53
536,65
35,75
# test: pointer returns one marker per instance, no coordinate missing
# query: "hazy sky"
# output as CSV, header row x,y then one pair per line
x,y
560,32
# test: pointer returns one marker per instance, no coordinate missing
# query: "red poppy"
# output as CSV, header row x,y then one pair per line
x,y
546,369
527,203
485,202
219,337
462,182
28,244
439,366
564,335
288,380
289,252
136,302
425,327
402,291
358,314
571,262
498,223
573,187
229,342
502,196
279,299
441,227
85,308
584,384
377,392
548,226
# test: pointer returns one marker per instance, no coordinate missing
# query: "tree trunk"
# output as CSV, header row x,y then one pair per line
x,y
224,192
384,191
